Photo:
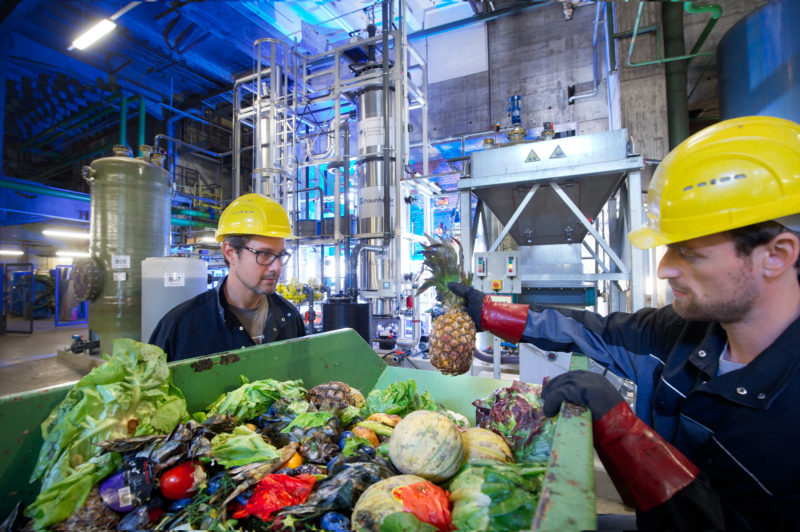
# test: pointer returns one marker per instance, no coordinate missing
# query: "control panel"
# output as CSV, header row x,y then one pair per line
x,y
497,273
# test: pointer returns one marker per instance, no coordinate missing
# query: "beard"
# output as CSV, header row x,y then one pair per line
x,y
257,287
730,307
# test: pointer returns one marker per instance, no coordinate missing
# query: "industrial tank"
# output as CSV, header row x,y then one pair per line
x,y
759,64
167,282
130,212
375,274
341,312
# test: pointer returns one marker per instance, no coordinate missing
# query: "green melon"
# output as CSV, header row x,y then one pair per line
x,y
427,444
483,444
377,502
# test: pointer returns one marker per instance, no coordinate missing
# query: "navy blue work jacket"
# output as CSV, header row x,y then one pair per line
x,y
742,429
205,325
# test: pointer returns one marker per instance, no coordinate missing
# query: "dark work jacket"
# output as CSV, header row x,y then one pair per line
x,y
742,429
205,325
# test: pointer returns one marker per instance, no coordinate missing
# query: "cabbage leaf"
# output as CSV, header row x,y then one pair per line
x,y
495,496
399,398
131,394
254,398
240,447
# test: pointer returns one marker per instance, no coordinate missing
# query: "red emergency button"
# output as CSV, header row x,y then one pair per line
x,y
497,284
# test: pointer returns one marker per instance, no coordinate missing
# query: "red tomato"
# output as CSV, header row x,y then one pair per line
x,y
182,480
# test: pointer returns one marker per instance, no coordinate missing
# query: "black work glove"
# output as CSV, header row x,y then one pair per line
x,y
581,387
474,301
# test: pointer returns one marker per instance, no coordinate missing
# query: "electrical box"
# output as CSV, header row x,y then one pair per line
x,y
497,272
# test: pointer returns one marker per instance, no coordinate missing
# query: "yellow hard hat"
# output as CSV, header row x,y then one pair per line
x,y
735,173
254,214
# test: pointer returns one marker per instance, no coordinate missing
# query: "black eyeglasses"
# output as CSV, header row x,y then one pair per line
x,y
266,258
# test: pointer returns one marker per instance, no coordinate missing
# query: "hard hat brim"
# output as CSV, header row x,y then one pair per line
x,y
646,238
285,236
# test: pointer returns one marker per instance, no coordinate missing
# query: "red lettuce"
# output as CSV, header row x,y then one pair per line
x,y
515,413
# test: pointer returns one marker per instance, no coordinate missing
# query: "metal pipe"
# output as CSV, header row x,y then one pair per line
x,y
123,120
161,136
610,61
385,27
662,57
355,257
142,120
674,46
611,53
595,83
184,222
44,190
346,176
484,17
193,117
193,213
5,43
716,13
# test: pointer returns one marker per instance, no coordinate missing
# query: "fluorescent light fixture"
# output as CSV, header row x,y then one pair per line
x,y
102,28
66,234
72,253
14,252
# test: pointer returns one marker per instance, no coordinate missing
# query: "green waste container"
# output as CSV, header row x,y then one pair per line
x,y
568,498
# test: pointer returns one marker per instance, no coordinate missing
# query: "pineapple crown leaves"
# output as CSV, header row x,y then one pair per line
x,y
446,266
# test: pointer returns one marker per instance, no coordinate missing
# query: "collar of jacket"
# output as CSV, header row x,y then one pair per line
x,y
759,383
278,313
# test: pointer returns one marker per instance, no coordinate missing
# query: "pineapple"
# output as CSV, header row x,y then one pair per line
x,y
452,337
334,396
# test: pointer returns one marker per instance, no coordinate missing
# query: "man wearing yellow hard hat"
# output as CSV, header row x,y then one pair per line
x,y
243,309
714,442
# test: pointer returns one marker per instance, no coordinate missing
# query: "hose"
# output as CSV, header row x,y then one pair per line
x,y
504,359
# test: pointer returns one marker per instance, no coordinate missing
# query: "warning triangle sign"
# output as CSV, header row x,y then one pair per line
x,y
532,157
558,153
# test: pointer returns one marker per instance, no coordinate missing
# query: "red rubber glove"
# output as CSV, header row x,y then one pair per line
x,y
645,468
506,320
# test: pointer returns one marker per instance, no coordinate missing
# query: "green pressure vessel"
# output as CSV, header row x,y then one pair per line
x,y
130,216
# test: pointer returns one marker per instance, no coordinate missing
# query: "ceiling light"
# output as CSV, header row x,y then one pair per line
x,y
102,28
66,234
15,252
72,254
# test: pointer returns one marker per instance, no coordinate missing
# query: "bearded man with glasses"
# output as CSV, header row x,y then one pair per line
x,y
243,309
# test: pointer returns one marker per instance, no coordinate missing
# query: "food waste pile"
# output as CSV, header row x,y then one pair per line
x,y
122,452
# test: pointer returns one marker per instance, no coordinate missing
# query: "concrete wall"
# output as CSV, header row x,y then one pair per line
x,y
538,54
534,53
643,88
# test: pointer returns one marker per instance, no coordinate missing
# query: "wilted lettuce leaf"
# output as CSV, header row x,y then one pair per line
x,y
131,394
349,414
398,398
240,447
516,414
307,420
298,407
253,398
353,444
494,496
403,522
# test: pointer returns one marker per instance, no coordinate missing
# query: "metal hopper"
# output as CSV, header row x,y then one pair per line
x,y
587,169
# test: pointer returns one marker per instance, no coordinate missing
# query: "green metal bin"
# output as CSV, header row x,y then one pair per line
x,y
568,498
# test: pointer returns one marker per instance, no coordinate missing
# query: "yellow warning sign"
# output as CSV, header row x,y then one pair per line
x,y
532,157
558,153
